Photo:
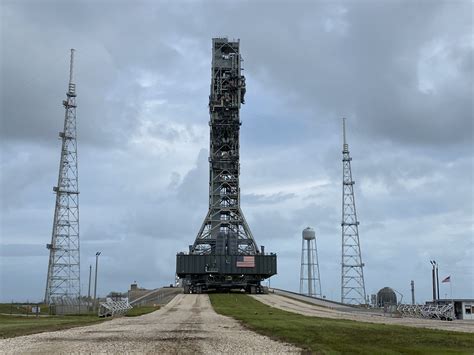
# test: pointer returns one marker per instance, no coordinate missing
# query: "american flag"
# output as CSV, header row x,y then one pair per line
x,y
245,261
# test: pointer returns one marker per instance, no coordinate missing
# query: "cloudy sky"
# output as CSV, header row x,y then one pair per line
x,y
400,71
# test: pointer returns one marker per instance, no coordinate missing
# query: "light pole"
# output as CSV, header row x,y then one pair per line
x,y
95,280
437,283
89,289
433,277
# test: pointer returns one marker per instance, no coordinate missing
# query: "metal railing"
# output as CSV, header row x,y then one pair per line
x,y
113,308
441,312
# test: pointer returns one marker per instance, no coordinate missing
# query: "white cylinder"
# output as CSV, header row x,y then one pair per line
x,y
309,234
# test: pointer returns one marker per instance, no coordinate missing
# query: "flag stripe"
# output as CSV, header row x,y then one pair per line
x,y
245,261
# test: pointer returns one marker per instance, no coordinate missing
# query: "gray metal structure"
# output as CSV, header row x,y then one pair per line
x,y
352,267
310,281
430,311
63,279
224,239
224,226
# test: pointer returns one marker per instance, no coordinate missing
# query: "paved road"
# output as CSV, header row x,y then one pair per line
x,y
296,306
186,324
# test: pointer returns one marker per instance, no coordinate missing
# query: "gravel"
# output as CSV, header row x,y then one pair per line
x,y
186,324
295,306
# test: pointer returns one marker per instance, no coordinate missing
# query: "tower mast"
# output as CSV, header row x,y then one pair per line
x,y
63,280
225,230
224,255
352,272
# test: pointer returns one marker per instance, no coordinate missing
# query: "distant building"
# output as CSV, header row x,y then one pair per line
x,y
136,292
463,308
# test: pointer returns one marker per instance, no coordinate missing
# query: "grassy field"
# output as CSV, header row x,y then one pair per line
x,y
18,324
138,311
12,326
321,335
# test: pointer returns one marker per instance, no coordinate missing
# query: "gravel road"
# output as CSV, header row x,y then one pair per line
x,y
292,305
186,324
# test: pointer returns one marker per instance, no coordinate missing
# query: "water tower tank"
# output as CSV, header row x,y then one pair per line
x,y
309,234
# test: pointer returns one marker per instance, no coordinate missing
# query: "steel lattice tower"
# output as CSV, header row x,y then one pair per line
x,y
224,230
309,273
352,273
64,262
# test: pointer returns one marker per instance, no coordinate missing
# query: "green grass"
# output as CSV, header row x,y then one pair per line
x,y
138,311
330,336
13,326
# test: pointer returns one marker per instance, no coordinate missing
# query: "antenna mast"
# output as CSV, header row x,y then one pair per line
x,y
352,273
63,280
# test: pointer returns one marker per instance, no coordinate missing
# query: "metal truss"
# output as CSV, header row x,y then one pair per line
x,y
113,308
224,230
442,312
352,273
63,280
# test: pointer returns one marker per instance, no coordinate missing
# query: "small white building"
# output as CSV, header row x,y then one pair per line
x,y
463,308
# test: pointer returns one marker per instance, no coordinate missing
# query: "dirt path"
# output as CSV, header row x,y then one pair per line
x,y
187,324
291,305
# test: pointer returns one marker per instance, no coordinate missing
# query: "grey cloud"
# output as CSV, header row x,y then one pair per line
x,y
22,250
256,199
142,74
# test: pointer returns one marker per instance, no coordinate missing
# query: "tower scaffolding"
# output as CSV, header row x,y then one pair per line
x,y
352,272
63,279
224,254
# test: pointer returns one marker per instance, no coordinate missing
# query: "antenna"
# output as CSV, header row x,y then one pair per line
x,y
71,65
352,272
63,279
345,145
71,87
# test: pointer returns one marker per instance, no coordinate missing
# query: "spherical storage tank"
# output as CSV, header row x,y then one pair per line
x,y
386,296
309,234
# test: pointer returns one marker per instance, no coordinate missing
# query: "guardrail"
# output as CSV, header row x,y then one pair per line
x,y
315,300
159,295
113,308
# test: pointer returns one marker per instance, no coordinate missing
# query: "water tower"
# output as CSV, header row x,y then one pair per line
x,y
310,282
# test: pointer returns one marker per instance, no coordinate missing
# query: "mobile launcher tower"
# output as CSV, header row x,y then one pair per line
x,y
225,255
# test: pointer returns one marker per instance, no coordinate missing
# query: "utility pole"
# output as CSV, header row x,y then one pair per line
x,y
63,279
89,289
412,292
437,282
95,280
352,272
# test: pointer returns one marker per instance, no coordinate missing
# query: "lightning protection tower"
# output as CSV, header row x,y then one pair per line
x,y
310,282
64,268
352,274
224,254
